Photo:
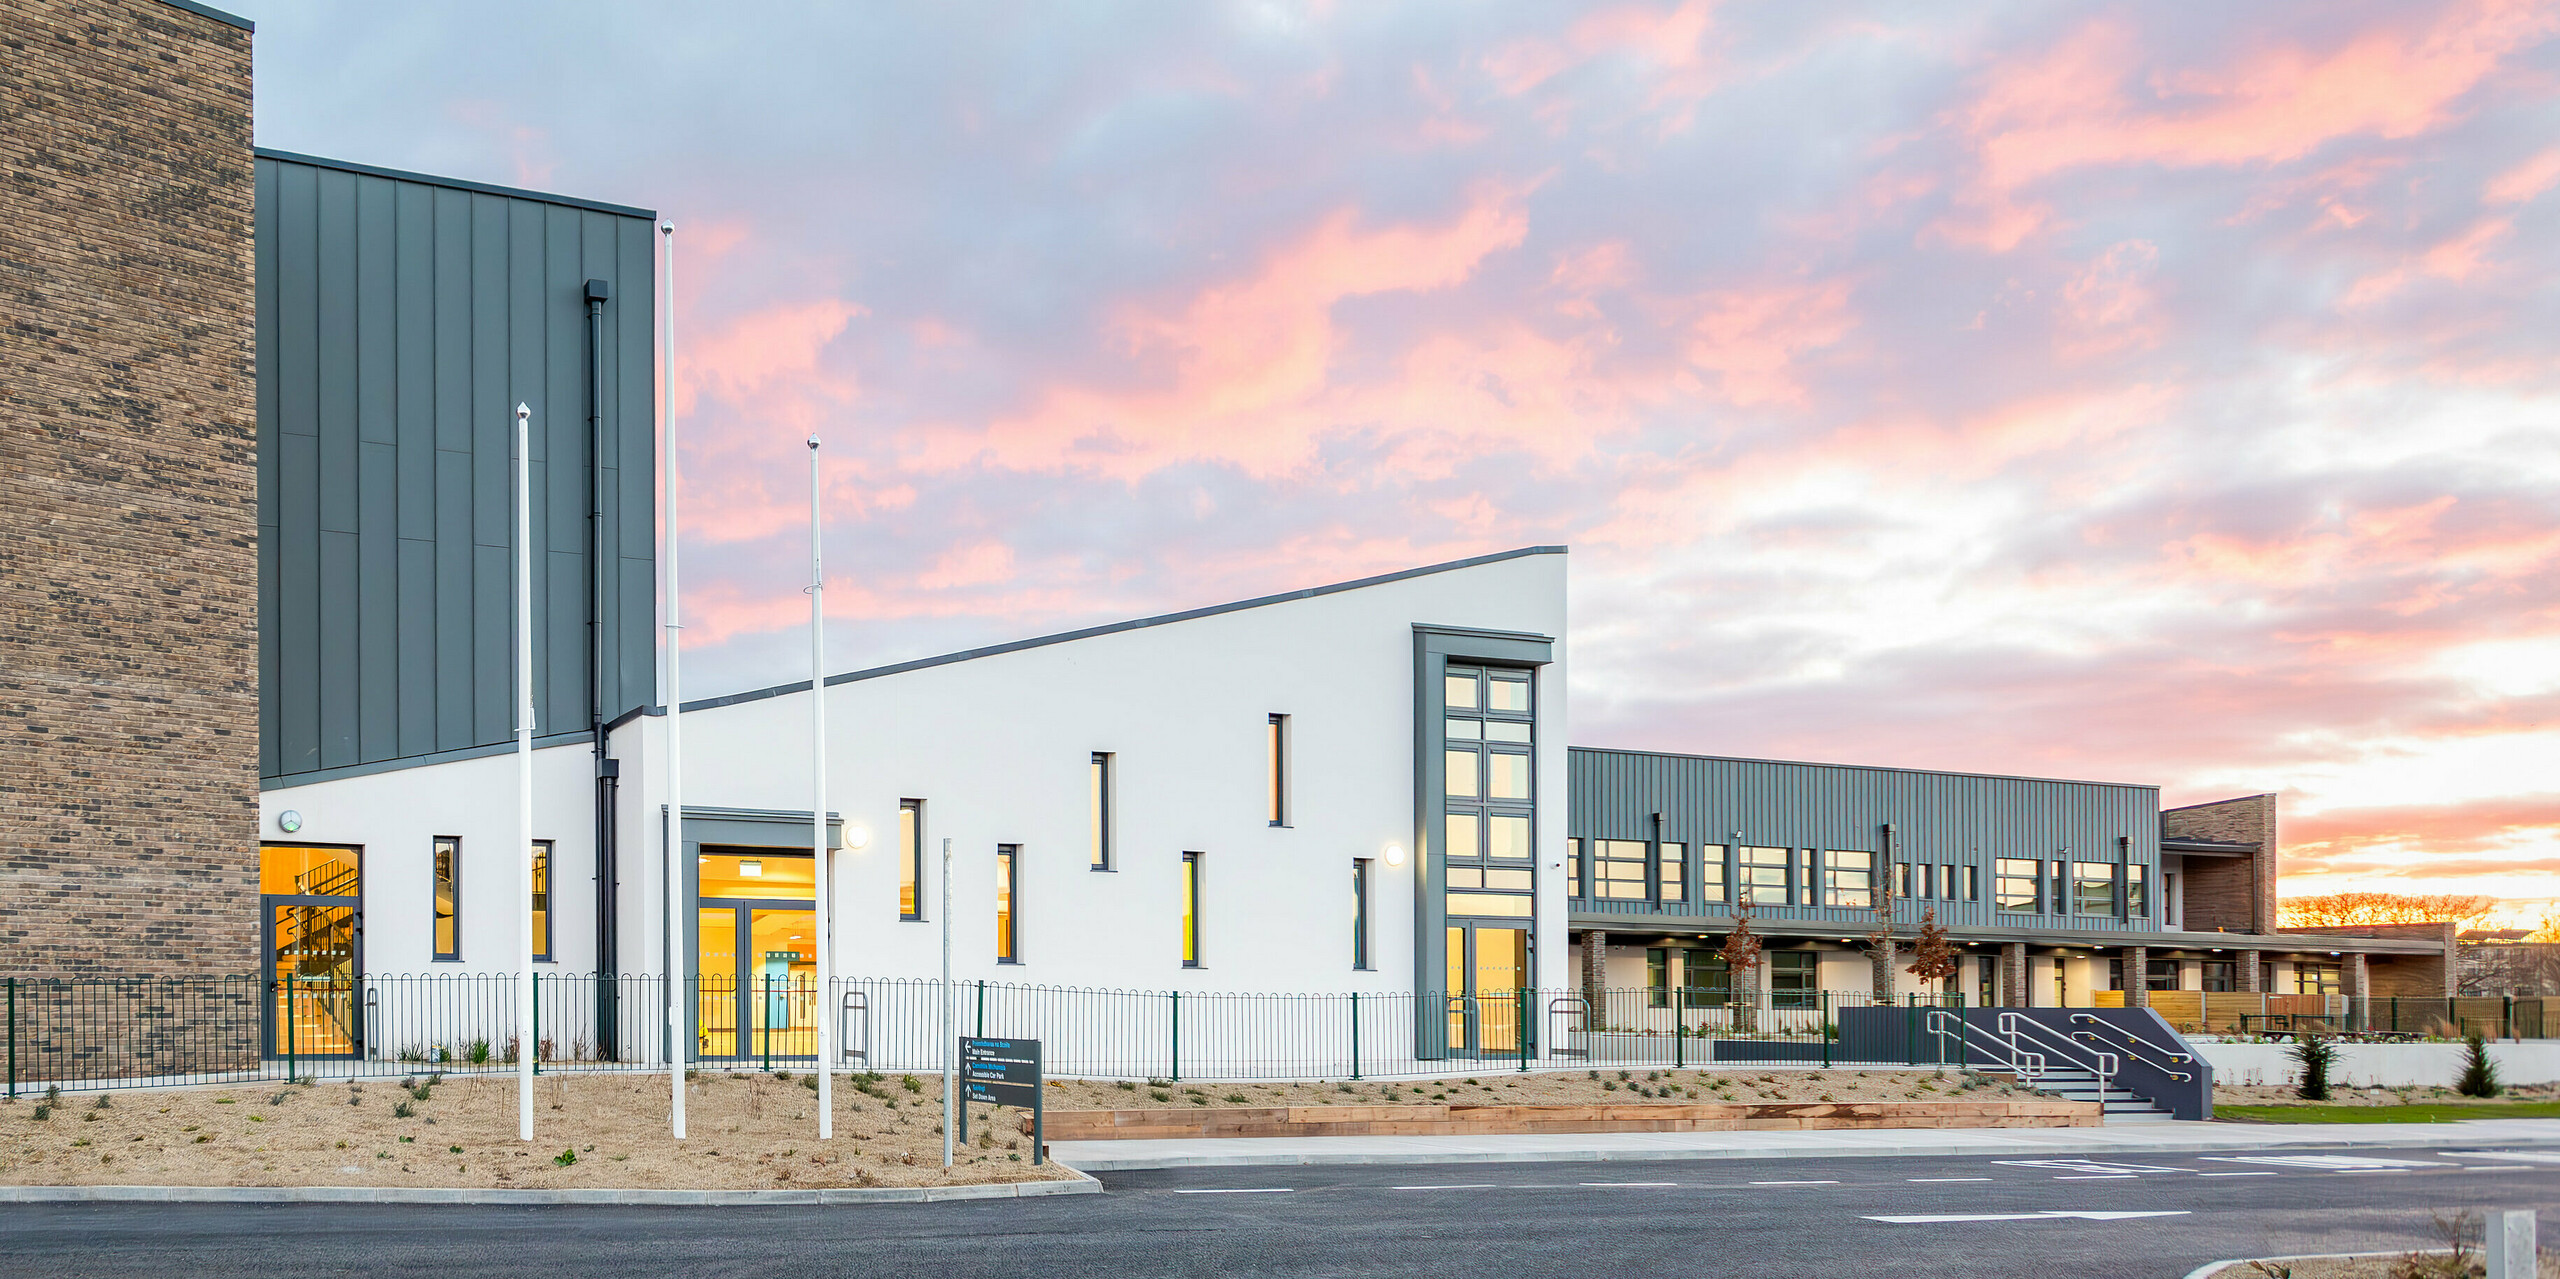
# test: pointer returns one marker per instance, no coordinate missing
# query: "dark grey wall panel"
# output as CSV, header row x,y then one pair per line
x,y
1938,818
400,321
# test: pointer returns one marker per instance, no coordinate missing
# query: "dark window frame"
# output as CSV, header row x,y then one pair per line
x,y
1360,915
1191,911
1276,738
1009,903
911,861
543,929
445,881
1103,773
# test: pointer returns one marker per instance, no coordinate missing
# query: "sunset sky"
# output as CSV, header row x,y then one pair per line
x,y
2154,393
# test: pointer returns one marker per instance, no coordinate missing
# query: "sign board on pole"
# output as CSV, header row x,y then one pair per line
x,y
1003,1072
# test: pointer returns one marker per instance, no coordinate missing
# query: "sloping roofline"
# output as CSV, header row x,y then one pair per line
x,y
802,686
208,11
1864,768
458,184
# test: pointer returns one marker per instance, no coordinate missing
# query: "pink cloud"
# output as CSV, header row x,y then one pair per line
x,y
2525,181
2092,101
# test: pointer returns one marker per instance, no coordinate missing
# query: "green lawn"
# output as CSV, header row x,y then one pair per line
x,y
2436,1112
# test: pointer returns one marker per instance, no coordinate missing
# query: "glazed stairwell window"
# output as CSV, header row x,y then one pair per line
x,y
1276,769
1762,873
1099,783
448,899
1191,910
1008,917
2093,888
1671,871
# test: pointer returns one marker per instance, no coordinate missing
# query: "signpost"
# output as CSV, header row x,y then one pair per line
x,y
1002,1072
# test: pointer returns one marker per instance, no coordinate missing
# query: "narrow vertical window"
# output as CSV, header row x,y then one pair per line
x,y
2137,891
1191,910
1973,883
1804,877
1575,885
542,900
1947,882
1360,914
1099,776
1671,871
1902,879
1006,951
910,859
2061,882
1276,741
448,897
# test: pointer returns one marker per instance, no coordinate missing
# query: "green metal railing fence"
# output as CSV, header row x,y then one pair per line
x,y
104,1032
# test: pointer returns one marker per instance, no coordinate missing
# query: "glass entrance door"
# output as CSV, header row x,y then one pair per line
x,y
1488,971
312,936
755,957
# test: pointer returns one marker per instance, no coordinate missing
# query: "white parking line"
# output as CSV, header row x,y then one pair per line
x,y
1930,1219
1473,1185
2499,1168
1257,1190
2103,1176
2236,1174
1946,1179
1795,1183
1630,1183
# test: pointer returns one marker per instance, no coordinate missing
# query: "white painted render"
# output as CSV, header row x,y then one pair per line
x,y
998,747
2381,1065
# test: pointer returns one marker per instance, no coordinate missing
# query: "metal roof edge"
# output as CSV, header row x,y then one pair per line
x,y
458,184
1114,628
208,11
1871,768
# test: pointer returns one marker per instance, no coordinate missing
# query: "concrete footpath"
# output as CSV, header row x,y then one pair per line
x,y
2113,1139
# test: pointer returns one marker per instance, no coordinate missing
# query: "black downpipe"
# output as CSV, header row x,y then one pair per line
x,y
608,769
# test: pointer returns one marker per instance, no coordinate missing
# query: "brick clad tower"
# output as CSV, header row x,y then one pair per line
x,y
128,491
2237,894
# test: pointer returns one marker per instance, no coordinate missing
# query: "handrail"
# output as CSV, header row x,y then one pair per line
x,y
2025,1063
2163,1067
2104,1067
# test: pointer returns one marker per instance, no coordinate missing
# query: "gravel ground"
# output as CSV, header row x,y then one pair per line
x,y
1552,1088
747,1132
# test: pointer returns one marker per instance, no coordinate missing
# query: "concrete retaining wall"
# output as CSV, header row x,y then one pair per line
x,y
2387,1065
1411,1121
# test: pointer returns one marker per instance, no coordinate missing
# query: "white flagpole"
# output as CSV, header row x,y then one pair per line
x,y
525,1037
677,907
942,902
818,805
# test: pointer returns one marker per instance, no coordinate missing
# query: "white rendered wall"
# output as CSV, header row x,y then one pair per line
x,y
998,748
2385,1065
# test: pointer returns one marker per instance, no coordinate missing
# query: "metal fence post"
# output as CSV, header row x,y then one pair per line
x,y
982,1008
1521,1031
13,1037
764,1014
533,1039
1680,1026
1826,1029
292,1069
1177,1036
14,1034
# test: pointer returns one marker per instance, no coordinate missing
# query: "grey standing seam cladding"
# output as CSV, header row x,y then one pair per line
x,y
1938,818
400,320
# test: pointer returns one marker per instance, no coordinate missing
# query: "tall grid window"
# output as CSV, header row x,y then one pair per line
x,y
1488,810
1098,777
542,900
448,898
1191,910
1706,981
1619,870
1657,976
1576,880
1794,980
2016,888
1848,878
1008,870
1276,779
1671,870
1804,877
910,858
2061,880
1711,873
2137,889
1360,914
1763,874
2093,888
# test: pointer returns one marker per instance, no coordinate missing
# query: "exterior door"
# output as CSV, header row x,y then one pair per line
x,y
1489,970
313,938
755,956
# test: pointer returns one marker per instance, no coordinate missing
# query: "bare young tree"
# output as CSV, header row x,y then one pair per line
x,y
1741,954
1933,957
1881,950
2337,909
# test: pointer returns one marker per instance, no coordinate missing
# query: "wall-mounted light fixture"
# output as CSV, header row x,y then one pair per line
x,y
1394,854
857,838
750,869
289,821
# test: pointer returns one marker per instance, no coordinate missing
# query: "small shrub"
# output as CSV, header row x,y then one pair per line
x,y
1128,1085
565,1158
2479,1077
453,1150
1235,1099
2315,1056
478,1054
911,1083
1161,1095
43,1111
809,1082
102,1103
403,1111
